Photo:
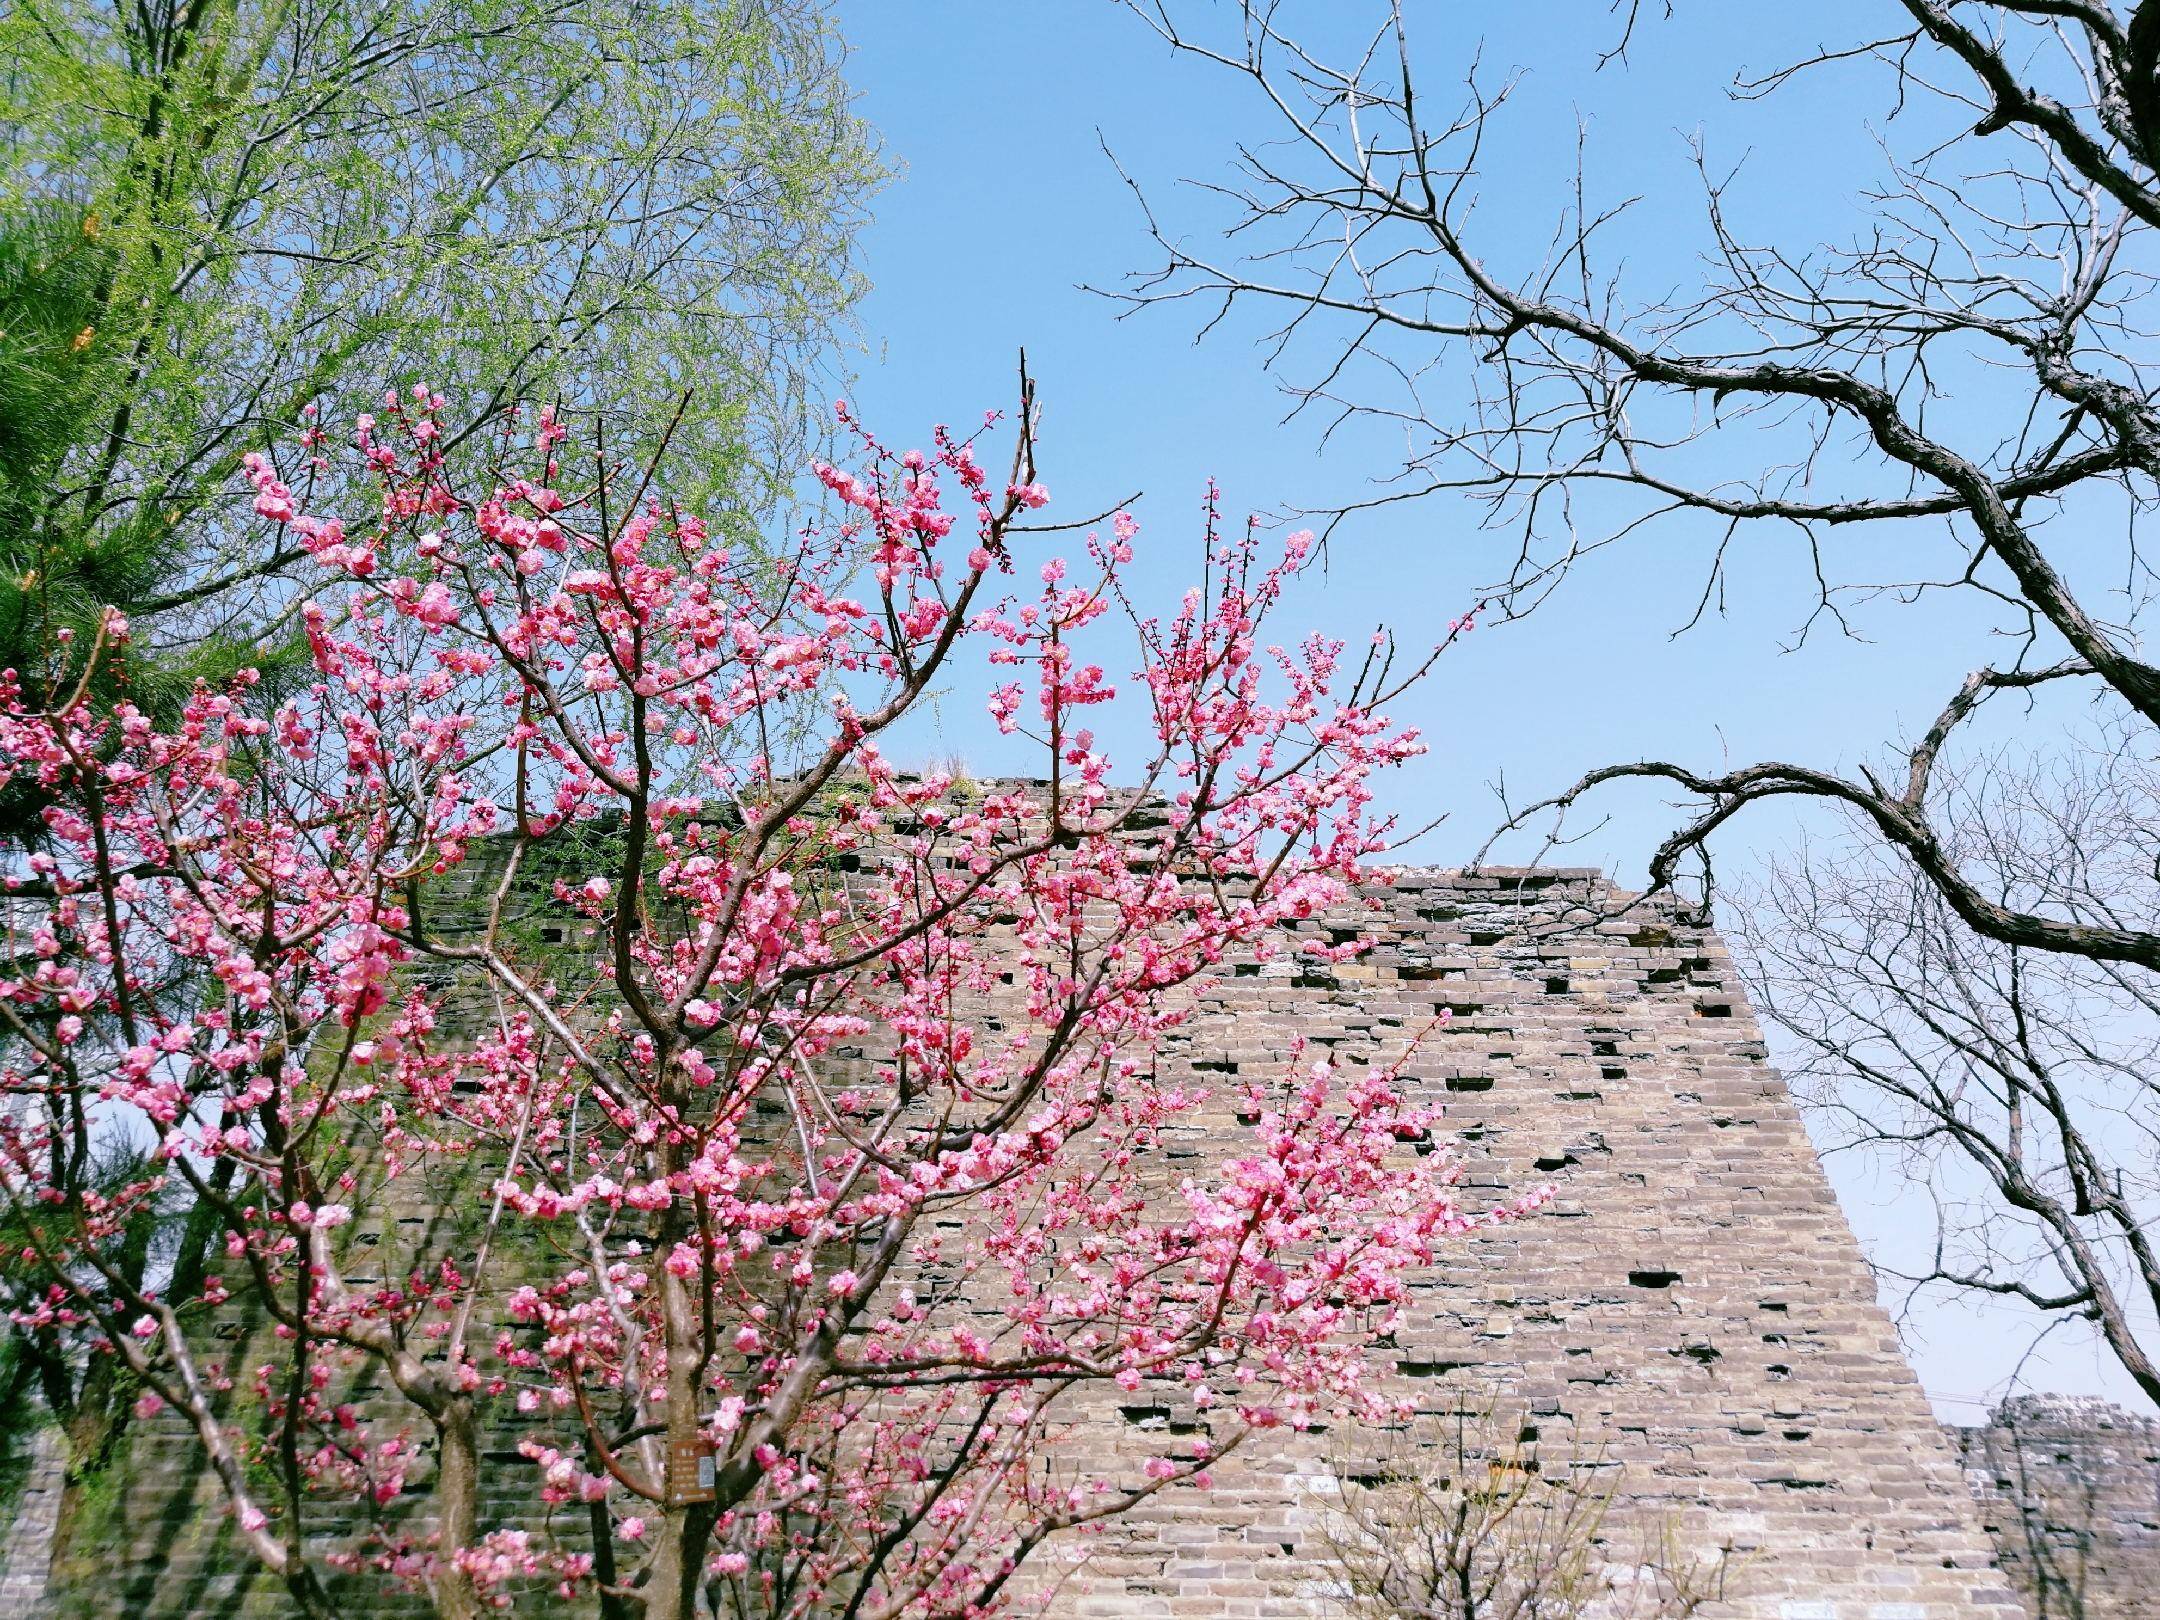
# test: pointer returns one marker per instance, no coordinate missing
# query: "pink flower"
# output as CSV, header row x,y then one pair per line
x,y
918,1020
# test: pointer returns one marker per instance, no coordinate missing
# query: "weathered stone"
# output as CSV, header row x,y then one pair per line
x,y
2070,1490
1691,1308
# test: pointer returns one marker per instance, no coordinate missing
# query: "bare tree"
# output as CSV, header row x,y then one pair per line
x,y
2018,1087
1465,1517
1963,377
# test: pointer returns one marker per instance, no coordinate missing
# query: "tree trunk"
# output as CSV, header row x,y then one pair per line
x,y
457,1496
685,1529
94,1432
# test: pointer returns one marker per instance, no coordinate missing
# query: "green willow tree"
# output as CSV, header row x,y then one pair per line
x,y
220,213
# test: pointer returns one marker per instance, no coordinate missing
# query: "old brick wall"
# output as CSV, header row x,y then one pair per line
x,y
1691,1310
30,1478
2070,1490
1692,1307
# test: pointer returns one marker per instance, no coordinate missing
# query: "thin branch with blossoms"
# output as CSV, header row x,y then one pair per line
x,y
834,1058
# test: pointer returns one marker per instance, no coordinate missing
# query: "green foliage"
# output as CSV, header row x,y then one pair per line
x,y
52,271
215,213
59,572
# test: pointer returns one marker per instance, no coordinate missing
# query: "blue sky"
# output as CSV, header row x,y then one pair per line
x,y
1007,205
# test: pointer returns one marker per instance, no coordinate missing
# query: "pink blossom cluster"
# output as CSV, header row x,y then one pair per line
x,y
825,1058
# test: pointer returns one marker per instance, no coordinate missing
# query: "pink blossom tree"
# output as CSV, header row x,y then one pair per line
x,y
832,1059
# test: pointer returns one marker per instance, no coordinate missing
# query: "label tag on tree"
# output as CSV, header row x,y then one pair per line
x,y
690,1471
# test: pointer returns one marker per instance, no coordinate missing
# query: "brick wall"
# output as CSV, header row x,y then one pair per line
x,y
2070,1490
1692,1309
29,1511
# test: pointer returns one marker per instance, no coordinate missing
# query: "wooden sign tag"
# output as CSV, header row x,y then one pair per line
x,y
690,1471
